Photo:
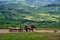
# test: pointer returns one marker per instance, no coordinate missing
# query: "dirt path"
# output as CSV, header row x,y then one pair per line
x,y
4,31
49,31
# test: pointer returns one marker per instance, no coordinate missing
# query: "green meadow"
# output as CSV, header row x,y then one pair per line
x,y
29,36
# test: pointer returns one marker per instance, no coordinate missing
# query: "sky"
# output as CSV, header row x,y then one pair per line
x,y
4,0
35,0
21,0
10,0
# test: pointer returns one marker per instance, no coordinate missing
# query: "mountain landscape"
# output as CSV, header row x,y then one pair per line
x,y
41,13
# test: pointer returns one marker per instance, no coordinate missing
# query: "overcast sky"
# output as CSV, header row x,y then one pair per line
x,y
21,0
29,0
4,0
10,0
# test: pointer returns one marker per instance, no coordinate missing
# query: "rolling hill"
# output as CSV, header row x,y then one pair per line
x,y
16,13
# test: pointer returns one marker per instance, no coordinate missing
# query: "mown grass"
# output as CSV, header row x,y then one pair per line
x,y
27,36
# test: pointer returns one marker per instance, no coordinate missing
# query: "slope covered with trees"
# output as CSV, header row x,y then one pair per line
x,y
16,13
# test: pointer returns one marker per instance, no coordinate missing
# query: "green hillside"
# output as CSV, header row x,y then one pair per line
x,y
21,13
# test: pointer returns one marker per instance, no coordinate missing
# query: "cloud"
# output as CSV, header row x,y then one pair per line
x,y
4,0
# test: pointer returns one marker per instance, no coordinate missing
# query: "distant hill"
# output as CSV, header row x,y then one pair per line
x,y
21,13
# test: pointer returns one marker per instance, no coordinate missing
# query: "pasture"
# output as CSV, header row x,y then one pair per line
x,y
29,36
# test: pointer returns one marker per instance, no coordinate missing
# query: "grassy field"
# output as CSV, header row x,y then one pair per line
x,y
28,36
47,28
